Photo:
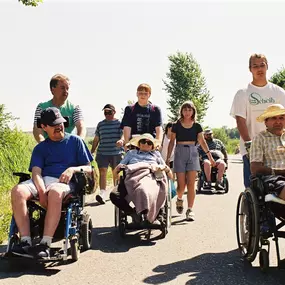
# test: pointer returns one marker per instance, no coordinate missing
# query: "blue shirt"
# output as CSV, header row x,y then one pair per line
x,y
54,157
134,156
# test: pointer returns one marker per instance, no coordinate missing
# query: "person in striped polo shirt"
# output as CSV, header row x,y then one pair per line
x,y
108,135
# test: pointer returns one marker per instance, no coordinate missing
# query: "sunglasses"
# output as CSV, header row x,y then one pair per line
x,y
108,112
144,141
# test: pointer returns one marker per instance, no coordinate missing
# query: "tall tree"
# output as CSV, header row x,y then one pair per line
x,y
278,78
33,3
186,82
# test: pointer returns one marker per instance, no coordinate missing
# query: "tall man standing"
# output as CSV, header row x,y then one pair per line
x,y
249,103
59,87
107,134
142,117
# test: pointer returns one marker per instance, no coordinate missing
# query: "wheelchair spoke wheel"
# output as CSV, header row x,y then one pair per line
x,y
226,184
122,229
247,225
74,249
264,260
86,233
199,183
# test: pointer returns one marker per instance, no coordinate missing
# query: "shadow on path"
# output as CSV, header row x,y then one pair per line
x,y
216,268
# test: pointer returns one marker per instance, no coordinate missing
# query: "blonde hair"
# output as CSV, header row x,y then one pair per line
x,y
257,55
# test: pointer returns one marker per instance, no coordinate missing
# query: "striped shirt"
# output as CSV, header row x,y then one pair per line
x,y
68,110
109,132
267,148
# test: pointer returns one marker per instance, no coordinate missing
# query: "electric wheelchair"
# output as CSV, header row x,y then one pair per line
x,y
257,220
75,225
123,223
214,172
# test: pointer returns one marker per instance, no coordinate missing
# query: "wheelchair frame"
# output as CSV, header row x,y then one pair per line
x,y
256,223
122,224
75,226
214,173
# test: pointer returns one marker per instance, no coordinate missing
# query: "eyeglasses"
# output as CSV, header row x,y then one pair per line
x,y
108,112
144,141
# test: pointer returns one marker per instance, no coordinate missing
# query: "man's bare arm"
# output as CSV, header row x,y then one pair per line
x,y
38,134
242,128
81,129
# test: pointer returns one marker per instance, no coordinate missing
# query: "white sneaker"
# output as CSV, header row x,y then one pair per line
x,y
273,198
190,215
101,197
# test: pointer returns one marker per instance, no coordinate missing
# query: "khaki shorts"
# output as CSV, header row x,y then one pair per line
x,y
49,182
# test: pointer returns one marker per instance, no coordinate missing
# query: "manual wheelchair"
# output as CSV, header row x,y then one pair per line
x,y
74,228
214,172
123,223
257,221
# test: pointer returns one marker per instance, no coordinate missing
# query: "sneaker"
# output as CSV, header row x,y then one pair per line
x,y
100,199
190,216
219,187
179,206
22,249
207,185
42,251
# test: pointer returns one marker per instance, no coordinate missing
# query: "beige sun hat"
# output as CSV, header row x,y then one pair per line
x,y
135,140
271,111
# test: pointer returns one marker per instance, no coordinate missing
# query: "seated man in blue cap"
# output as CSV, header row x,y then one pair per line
x,y
53,163
219,153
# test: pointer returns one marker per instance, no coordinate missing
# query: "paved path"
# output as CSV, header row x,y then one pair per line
x,y
200,252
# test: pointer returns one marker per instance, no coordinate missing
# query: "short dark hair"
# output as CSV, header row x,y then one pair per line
x,y
54,80
190,105
168,125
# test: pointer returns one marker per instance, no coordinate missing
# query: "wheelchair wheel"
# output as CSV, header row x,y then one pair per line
x,y
247,225
226,184
86,232
117,216
200,183
264,260
14,240
122,229
74,248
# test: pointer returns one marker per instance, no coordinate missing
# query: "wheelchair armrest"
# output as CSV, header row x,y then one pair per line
x,y
23,176
256,184
84,183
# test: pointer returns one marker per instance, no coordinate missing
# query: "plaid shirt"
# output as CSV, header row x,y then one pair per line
x,y
264,149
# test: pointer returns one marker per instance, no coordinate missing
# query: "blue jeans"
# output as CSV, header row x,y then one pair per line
x,y
246,171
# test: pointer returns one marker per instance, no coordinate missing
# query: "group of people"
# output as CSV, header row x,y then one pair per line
x,y
181,149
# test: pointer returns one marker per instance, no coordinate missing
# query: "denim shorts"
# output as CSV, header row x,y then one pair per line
x,y
186,158
49,182
104,161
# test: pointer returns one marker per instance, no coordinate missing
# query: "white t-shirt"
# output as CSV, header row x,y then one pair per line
x,y
164,149
249,103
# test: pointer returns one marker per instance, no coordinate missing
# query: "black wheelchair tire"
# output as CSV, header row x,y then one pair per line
x,y
86,233
264,260
226,186
74,249
122,229
14,240
200,183
249,251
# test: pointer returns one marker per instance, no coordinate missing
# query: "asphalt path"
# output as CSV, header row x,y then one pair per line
x,y
199,252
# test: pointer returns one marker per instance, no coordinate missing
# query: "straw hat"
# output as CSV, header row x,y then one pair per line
x,y
135,141
271,111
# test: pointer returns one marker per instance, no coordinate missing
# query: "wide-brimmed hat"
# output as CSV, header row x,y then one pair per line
x,y
135,141
271,111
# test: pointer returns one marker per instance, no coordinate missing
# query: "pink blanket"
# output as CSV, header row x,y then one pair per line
x,y
144,190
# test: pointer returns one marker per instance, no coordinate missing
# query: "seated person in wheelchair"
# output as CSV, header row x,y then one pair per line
x,y
53,163
267,152
219,154
148,158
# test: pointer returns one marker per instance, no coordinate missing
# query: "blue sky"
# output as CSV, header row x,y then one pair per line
x,y
108,48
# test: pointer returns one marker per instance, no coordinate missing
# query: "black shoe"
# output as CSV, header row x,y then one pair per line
x,y
22,249
136,219
219,186
42,251
207,185
100,200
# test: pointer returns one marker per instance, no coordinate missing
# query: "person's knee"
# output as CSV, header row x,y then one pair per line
x,y
19,194
207,164
55,195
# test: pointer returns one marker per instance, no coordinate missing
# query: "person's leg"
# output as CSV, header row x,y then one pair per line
x,y
103,163
221,166
20,194
207,169
191,194
181,183
246,171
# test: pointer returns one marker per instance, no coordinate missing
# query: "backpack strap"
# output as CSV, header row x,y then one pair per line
x,y
152,108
